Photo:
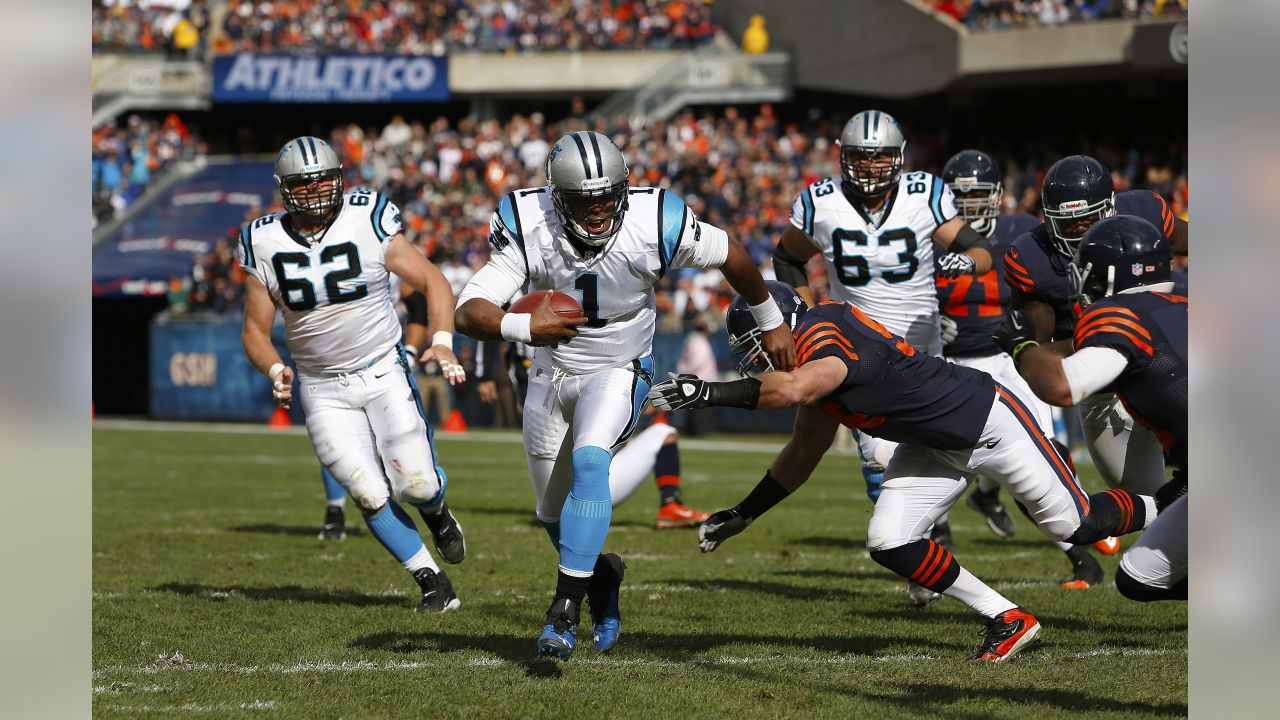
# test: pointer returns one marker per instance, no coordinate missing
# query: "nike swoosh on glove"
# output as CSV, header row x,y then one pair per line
x,y
1015,329
953,265
680,392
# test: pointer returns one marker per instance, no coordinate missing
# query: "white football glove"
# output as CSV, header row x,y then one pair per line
x,y
953,265
721,526
949,329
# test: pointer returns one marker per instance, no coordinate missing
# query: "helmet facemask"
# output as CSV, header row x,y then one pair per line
x,y
312,198
750,346
591,215
978,203
870,172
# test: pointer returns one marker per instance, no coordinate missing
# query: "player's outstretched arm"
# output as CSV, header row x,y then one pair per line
x,y
771,391
259,315
745,277
419,273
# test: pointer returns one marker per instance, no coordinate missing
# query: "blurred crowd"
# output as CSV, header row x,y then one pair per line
x,y
177,28
126,158
985,14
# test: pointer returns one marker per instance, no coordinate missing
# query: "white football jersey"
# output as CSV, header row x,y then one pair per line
x,y
615,286
339,314
884,268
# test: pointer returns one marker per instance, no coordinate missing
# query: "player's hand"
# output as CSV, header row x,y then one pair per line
x,y
487,390
721,526
282,386
452,370
953,265
548,328
949,329
781,347
680,392
1015,329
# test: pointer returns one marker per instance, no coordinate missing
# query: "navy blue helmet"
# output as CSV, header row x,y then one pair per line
x,y
1077,193
744,334
974,178
1120,253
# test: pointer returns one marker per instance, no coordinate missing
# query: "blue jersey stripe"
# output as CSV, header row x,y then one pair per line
x,y
807,199
511,219
671,211
376,219
247,242
935,201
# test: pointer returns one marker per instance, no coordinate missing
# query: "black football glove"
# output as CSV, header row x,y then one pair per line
x,y
953,265
681,392
721,526
1015,329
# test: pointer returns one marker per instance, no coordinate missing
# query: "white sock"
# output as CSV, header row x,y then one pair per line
x,y
971,591
421,559
1150,502
337,503
1063,546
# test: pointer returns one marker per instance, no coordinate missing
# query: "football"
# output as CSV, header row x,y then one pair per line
x,y
562,304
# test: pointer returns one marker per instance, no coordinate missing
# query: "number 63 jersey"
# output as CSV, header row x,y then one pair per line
x,y
335,295
884,268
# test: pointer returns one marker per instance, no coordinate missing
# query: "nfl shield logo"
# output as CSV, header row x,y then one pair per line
x,y
1136,268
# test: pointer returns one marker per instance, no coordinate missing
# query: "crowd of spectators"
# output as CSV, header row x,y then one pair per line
x,y
126,158
177,28
988,14
435,26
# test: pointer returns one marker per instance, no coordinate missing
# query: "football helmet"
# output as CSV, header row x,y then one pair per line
x,y
1120,253
588,178
744,333
975,178
871,149
1077,192
309,176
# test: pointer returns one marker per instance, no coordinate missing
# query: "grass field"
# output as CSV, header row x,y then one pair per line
x,y
212,596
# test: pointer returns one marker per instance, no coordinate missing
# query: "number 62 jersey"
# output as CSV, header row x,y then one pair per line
x,y
335,295
885,268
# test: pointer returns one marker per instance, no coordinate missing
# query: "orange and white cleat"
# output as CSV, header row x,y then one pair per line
x,y
1108,546
1006,634
676,515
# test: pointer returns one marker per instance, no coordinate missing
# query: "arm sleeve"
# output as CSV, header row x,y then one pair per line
x,y
1116,327
802,212
684,241
942,202
506,272
385,220
244,253
1017,274
1091,369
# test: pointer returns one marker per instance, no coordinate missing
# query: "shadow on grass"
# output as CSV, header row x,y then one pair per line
x,y
293,593
294,530
933,699
826,541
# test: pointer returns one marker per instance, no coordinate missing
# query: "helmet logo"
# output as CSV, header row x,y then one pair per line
x,y
1073,205
1136,269
600,183
965,184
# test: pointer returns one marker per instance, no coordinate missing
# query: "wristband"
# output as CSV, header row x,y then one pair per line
x,y
440,337
767,314
515,327
1017,350
744,393
274,371
765,495
411,351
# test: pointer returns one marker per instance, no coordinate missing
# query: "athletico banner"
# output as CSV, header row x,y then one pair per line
x,y
250,77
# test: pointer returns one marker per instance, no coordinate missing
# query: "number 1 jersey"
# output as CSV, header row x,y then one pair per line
x,y
335,295
884,268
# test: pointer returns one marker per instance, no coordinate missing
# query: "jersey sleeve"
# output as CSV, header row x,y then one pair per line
x,y
385,219
1110,325
1016,272
942,202
802,212
819,336
245,254
1150,207
508,268
1091,370
683,241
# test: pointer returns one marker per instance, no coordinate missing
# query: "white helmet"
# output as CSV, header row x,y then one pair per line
x,y
301,162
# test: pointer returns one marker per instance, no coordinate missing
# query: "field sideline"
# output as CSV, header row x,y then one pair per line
x,y
211,596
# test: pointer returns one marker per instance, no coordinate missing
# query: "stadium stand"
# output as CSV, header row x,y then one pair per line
x,y
997,14
177,28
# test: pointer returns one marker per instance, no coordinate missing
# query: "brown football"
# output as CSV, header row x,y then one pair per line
x,y
562,304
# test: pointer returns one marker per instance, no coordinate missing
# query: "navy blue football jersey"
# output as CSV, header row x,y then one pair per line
x,y
1033,268
977,303
893,391
1150,330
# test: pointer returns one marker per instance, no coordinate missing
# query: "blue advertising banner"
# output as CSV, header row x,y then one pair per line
x,y
250,77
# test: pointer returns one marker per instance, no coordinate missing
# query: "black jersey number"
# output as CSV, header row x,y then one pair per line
x,y
853,269
588,285
299,294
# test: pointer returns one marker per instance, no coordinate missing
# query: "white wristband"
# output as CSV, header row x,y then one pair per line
x,y
274,371
767,314
515,327
440,337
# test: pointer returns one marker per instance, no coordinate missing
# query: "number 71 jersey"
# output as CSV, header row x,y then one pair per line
x,y
335,295
886,269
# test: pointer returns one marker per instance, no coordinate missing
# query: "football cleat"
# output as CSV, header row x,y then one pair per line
x,y
1086,572
446,533
559,633
988,503
602,595
1006,634
675,515
335,525
437,592
1108,546
919,595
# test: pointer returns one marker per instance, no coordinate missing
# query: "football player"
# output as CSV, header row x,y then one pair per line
x,y
972,307
952,422
588,234
326,263
1131,339
1077,193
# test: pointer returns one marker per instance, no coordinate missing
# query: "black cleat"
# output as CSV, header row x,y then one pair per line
x,y
335,524
437,592
559,632
446,533
1006,634
1086,572
988,503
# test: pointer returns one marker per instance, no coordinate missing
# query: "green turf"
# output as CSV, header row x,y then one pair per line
x,y
212,596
